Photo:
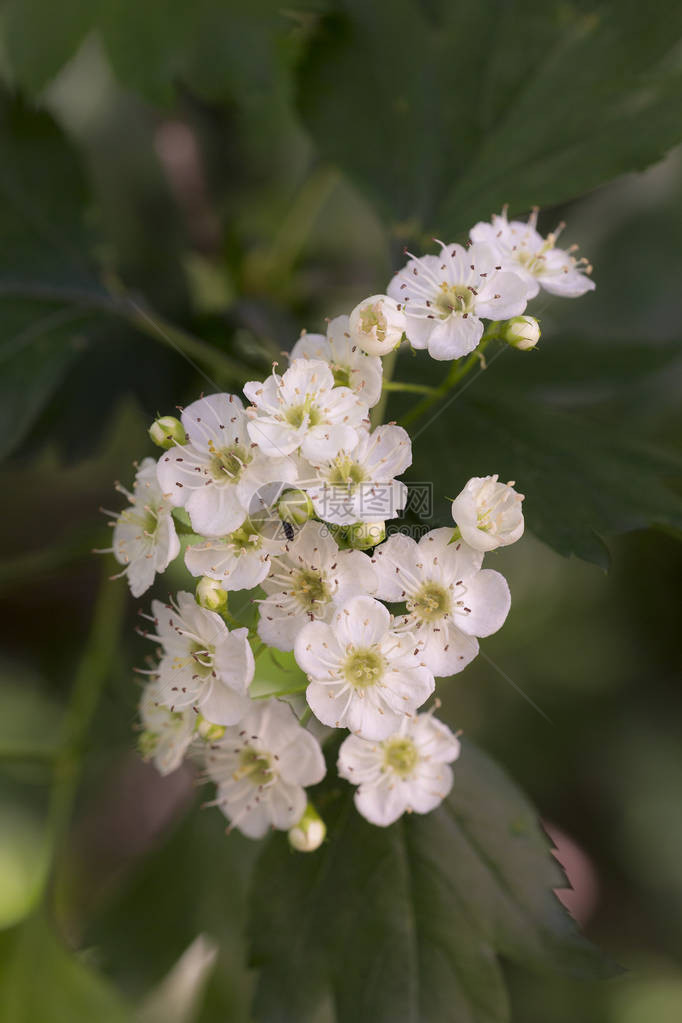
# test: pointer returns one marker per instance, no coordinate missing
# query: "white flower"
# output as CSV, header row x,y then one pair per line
x,y
216,474
358,485
302,409
350,365
144,539
166,733
203,664
488,514
449,599
239,560
536,259
446,296
377,324
408,771
308,581
364,675
261,767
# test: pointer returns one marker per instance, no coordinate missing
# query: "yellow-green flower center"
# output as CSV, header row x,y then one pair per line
x,y
254,765
401,756
246,538
454,298
145,519
310,589
226,465
430,603
364,667
372,321
296,415
346,473
200,656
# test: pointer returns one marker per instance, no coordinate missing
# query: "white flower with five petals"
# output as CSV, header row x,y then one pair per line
x,y
351,366
217,473
488,513
449,599
537,260
261,767
364,675
359,484
241,559
145,539
408,771
302,410
446,297
203,665
308,581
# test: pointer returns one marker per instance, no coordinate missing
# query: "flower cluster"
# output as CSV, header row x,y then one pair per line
x,y
287,497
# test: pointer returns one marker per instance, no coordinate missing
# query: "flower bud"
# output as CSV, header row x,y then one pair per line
x,y
295,507
363,535
522,332
210,594
377,325
208,731
167,431
310,832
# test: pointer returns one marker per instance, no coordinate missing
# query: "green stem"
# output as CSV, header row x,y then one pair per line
x,y
400,385
458,371
93,671
138,315
305,716
377,413
28,754
275,264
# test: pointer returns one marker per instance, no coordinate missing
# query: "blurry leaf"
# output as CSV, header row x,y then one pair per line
x,y
40,980
442,112
277,674
41,37
582,479
23,860
223,50
194,883
42,240
178,997
408,922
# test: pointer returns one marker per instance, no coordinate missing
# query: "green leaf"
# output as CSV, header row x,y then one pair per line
x,y
277,674
221,50
193,883
409,922
41,37
443,111
41,980
43,239
583,479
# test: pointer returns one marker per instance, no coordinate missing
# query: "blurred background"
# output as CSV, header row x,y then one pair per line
x,y
164,196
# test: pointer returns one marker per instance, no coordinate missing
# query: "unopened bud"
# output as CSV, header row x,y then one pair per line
x,y
310,832
363,535
167,431
208,731
522,332
295,507
210,594
377,325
